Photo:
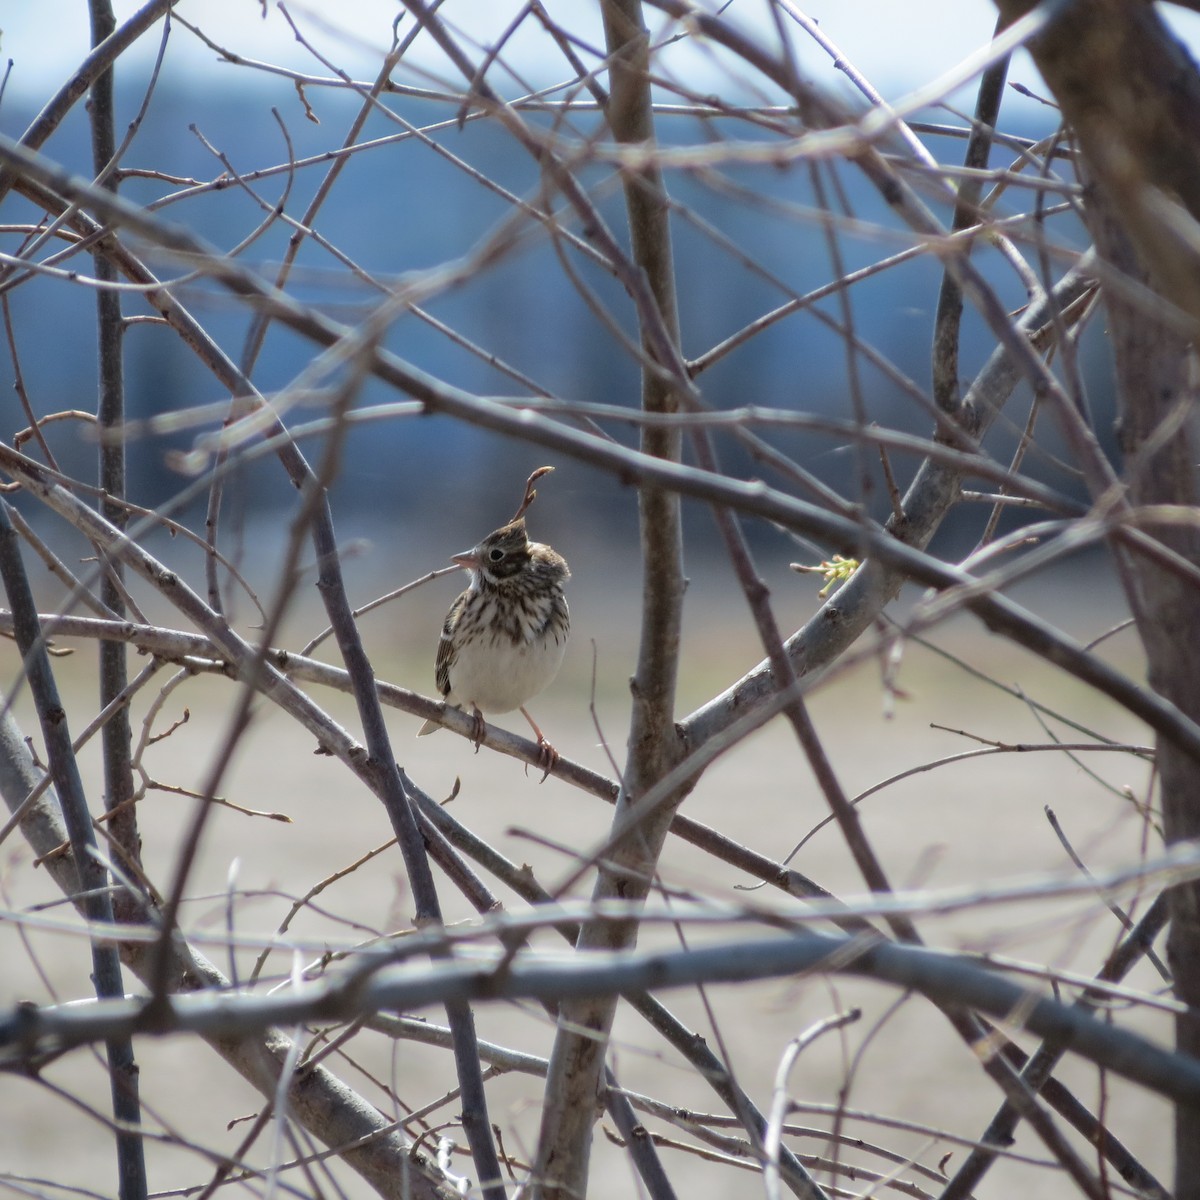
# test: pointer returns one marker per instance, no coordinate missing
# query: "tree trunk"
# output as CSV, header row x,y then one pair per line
x,y
1131,96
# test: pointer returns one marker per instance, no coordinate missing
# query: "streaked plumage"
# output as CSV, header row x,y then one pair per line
x,y
504,637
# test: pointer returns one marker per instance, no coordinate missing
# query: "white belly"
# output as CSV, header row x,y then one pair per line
x,y
500,676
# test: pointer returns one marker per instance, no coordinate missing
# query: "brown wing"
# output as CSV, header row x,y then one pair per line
x,y
445,650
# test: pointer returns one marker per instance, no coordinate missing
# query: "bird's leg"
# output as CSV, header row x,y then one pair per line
x,y
547,755
480,726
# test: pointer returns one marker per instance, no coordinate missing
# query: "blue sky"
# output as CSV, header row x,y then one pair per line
x,y
897,45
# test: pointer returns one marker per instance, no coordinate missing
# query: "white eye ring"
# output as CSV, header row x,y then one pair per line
x,y
495,554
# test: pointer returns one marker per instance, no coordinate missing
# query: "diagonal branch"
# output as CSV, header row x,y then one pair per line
x,y
932,494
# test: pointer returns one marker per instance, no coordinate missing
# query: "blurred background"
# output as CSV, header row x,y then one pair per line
x,y
415,488
401,208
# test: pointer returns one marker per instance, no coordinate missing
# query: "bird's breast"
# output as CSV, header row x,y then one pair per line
x,y
498,674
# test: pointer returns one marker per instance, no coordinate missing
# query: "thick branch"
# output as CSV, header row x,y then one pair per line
x,y
371,986
577,1060
1131,95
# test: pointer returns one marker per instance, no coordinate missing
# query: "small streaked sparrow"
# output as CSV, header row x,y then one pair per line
x,y
504,637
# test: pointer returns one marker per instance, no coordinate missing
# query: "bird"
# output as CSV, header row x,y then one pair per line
x,y
504,637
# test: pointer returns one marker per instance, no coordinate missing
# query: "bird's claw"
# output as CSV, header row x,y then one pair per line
x,y
547,759
547,755
479,727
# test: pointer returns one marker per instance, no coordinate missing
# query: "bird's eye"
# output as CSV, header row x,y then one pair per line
x,y
495,554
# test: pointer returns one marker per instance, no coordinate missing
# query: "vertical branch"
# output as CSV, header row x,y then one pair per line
x,y
950,298
110,416
116,738
93,876
577,1061
653,743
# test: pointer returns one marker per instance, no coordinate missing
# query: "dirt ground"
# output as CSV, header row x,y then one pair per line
x,y
973,824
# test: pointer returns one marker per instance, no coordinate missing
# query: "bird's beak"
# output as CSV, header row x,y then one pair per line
x,y
468,559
